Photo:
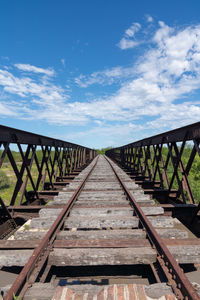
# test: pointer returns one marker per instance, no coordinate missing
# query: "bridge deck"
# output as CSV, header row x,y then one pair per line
x,y
101,237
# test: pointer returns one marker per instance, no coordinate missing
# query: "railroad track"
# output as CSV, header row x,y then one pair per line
x,y
101,238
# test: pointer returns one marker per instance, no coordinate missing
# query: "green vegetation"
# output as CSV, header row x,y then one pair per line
x,y
103,150
8,181
194,173
26,227
4,180
8,177
16,297
16,156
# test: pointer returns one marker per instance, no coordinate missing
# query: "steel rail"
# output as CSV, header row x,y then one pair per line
x,y
41,253
177,279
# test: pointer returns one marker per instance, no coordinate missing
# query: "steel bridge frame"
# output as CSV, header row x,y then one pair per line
x,y
144,159
59,159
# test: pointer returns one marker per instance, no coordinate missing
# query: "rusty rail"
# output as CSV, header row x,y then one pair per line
x,y
54,160
159,161
176,278
35,263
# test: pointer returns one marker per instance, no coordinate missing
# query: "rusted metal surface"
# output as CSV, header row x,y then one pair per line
x,y
176,278
182,242
7,227
4,212
35,263
10,244
56,160
157,162
7,222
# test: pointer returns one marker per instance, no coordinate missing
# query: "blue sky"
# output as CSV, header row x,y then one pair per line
x,y
99,73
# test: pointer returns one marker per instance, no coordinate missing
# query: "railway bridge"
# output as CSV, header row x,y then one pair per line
x,y
78,225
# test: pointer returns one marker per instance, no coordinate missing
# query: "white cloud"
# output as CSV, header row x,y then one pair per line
x,y
105,77
149,18
26,86
42,100
130,32
168,71
113,135
127,44
63,62
128,41
7,110
30,68
174,116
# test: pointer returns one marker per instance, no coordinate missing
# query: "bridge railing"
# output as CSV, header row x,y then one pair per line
x,y
36,162
169,161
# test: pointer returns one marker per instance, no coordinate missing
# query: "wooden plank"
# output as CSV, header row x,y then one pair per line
x,y
101,222
112,203
98,212
105,243
84,235
98,205
186,254
102,234
14,257
109,256
92,243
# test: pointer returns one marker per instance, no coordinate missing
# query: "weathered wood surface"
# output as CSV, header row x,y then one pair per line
x,y
91,257
186,254
42,223
125,211
90,235
99,212
115,222
95,222
103,221
14,257
106,255
105,242
102,234
173,233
